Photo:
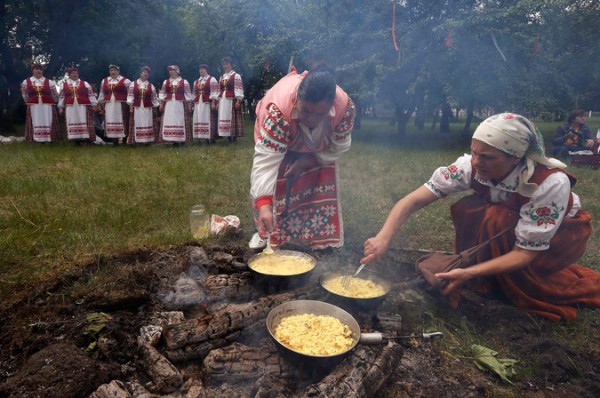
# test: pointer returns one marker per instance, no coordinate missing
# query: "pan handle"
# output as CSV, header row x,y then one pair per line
x,y
371,338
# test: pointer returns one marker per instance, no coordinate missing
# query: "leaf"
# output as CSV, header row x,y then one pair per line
x,y
96,322
486,359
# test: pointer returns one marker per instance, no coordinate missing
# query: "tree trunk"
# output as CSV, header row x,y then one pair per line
x,y
436,117
445,122
466,130
420,115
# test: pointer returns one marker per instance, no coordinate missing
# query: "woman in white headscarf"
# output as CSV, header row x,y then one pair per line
x,y
514,184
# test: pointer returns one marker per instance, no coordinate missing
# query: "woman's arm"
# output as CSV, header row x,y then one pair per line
x,y
375,247
515,259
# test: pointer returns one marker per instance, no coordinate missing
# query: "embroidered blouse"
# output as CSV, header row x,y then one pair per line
x,y
276,136
539,219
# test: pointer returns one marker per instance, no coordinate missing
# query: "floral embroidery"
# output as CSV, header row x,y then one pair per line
x,y
328,210
275,131
435,189
451,172
345,126
329,229
545,215
526,243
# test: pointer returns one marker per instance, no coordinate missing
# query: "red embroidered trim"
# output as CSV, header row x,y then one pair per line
x,y
263,200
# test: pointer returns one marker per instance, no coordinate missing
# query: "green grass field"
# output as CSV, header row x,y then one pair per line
x,y
62,205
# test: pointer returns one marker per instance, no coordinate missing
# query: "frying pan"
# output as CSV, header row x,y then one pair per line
x,y
274,283
370,303
300,307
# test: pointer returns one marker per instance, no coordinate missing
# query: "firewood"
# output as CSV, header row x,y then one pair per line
x,y
238,362
165,376
233,286
231,318
360,375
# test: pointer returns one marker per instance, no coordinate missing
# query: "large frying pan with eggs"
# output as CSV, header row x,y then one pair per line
x,y
283,260
302,307
365,292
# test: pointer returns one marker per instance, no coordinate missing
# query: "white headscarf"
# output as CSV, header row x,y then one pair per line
x,y
517,136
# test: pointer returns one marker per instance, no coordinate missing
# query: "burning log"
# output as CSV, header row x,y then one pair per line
x,y
165,376
240,362
270,386
360,375
228,320
234,286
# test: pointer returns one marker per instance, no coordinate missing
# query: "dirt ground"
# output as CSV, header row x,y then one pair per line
x,y
43,341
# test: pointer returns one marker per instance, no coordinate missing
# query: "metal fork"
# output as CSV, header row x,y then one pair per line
x,y
346,278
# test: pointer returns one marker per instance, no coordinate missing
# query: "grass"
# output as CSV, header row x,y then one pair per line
x,y
62,205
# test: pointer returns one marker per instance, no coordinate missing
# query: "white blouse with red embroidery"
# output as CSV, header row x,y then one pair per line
x,y
540,218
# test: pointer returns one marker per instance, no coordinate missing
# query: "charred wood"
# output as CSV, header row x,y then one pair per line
x,y
360,375
165,376
239,362
271,386
200,350
230,286
228,320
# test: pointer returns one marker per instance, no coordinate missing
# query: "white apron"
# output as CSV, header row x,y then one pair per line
x,y
173,129
77,127
144,129
201,120
41,121
113,119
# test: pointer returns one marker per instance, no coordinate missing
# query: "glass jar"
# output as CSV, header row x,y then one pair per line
x,y
199,222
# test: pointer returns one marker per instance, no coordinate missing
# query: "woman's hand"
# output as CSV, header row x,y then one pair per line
x,y
265,221
455,278
589,143
374,248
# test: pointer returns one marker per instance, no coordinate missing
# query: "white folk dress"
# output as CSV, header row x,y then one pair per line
x,y
202,123
114,119
76,115
226,121
173,125
41,113
143,117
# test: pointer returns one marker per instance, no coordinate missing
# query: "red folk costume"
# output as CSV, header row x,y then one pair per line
x,y
231,121
143,121
205,120
176,126
536,198
113,94
78,99
551,286
314,212
40,96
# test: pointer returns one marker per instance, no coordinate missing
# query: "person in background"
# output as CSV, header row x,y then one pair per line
x,y
206,103
231,122
112,101
40,95
175,102
80,102
516,187
303,126
142,100
573,135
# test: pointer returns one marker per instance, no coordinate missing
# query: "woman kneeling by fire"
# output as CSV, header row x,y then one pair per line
x,y
519,189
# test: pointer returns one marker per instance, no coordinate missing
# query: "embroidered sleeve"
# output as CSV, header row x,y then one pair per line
x,y
130,95
101,92
187,91
268,153
153,96
344,128
341,139
214,89
238,87
54,91
451,179
61,97
91,94
541,217
162,95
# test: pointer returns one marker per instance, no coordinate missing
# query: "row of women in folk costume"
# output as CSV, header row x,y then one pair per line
x,y
130,108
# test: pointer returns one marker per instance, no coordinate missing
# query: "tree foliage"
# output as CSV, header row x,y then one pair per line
x,y
530,56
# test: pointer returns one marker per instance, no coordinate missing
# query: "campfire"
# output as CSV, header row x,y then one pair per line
x,y
209,338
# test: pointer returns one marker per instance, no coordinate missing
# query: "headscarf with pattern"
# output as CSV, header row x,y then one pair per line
x,y
519,137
